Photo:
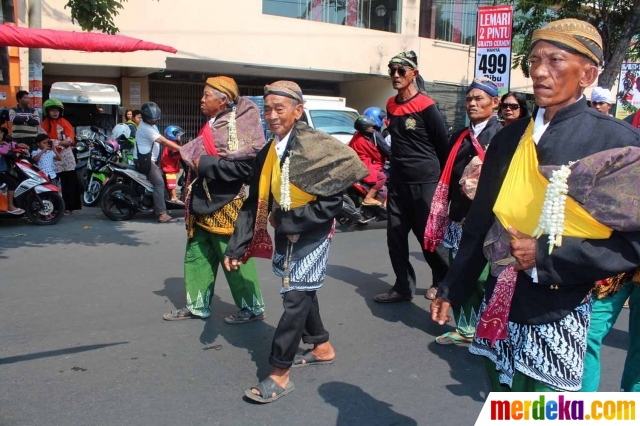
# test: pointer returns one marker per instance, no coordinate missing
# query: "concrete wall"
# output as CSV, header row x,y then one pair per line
x,y
237,32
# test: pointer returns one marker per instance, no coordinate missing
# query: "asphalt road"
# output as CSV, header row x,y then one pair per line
x,y
83,341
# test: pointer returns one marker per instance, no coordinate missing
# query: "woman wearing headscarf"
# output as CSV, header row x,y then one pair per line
x,y
61,133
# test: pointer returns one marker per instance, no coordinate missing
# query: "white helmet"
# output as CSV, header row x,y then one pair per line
x,y
121,130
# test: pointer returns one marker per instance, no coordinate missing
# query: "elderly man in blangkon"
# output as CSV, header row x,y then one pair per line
x,y
535,315
220,161
456,190
297,186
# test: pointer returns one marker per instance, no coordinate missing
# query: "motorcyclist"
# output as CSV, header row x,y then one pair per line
x,y
6,145
369,144
147,152
380,117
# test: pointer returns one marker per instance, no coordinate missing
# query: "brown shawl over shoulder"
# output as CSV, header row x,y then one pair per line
x,y
321,165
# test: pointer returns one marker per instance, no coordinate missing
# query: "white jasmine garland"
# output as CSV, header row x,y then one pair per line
x,y
233,131
285,190
552,217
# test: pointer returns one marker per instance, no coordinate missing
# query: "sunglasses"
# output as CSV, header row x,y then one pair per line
x,y
512,107
401,71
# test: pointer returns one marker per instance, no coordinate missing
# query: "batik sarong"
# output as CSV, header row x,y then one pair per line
x,y
306,273
552,354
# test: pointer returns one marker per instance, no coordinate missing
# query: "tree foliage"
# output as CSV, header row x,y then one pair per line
x,y
617,20
95,14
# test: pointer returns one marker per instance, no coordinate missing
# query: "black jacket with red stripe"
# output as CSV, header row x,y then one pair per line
x,y
419,141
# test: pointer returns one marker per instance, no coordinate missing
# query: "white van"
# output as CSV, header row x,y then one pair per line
x,y
331,115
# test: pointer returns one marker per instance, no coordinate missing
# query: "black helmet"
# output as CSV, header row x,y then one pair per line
x,y
363,123
150,111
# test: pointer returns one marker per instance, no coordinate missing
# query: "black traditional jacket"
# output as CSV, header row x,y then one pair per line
x,y
460,203
313,222
565,277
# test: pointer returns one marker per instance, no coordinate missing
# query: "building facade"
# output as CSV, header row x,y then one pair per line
x,y
331,47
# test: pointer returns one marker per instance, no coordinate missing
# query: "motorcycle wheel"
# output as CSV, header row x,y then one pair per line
x,y
92,194
111,209
47,212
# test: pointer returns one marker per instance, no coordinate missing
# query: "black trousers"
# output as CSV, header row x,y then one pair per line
x,y
408,208
71,190
300,320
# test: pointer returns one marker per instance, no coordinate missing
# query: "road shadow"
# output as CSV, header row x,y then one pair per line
x,y
617,339
467,369
57,352
254,337
356,407
368,285
90,228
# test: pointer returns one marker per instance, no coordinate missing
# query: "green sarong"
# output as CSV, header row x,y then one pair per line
x,y
204,254
521,383
603,317
466,316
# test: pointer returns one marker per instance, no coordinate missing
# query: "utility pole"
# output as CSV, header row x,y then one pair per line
x,y
35,57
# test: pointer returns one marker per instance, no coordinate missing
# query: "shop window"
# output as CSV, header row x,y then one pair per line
x,y
450,20
382,15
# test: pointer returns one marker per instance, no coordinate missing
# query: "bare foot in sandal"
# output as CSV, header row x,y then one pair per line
x,y
244,316
277,385
321,354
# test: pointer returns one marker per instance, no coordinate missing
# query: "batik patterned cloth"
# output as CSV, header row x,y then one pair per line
x,y
306,274
552,354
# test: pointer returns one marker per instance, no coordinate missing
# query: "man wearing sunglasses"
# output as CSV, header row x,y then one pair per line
x,y
419,148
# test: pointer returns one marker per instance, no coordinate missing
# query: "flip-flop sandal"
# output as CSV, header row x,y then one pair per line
x,y
269,387
181,314
451,338
244,316
168,220
431,293
307,358
16,211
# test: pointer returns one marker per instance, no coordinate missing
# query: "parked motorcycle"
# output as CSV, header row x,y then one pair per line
x,y
128,192
353,212
40,199
103,151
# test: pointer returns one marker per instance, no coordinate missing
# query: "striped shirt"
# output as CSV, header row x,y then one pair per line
x,y
19,117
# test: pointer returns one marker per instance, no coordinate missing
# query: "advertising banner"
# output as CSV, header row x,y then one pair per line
x,y
493,45
628,90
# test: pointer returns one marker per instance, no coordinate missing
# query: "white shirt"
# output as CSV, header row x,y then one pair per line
x,y
478,128
45,162
146,137
281,145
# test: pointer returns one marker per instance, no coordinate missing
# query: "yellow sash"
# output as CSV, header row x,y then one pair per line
x,y
522,194
270,180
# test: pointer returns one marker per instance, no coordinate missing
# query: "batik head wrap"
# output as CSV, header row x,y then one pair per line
x,y
410,60
574,34
485,84
285,88
225,85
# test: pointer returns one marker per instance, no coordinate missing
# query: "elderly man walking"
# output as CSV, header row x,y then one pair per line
x,y
535,315
296,186
456,191
420,146
229,143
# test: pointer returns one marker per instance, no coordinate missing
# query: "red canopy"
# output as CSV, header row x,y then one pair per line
x,y
72,40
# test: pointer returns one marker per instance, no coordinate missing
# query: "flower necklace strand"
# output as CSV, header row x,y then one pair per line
x,y
551,220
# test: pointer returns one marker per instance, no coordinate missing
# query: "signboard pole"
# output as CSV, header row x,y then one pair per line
x,y
493,45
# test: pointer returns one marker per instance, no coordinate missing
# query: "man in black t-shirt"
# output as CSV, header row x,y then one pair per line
x,y
420,146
